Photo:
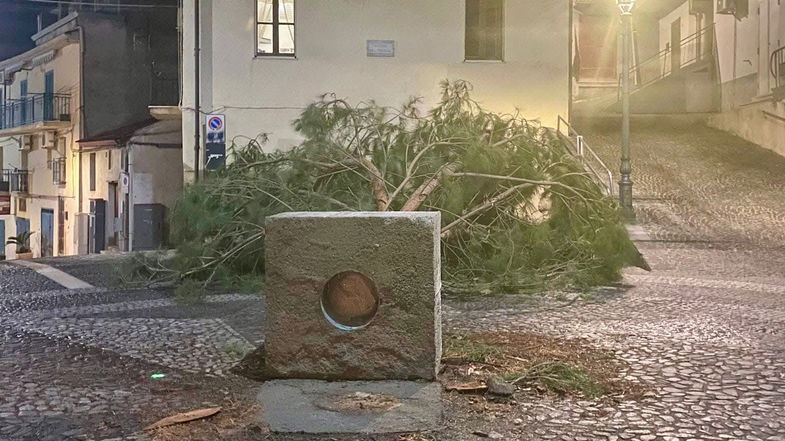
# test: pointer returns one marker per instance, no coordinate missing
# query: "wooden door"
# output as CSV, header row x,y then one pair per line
x,y
676,45
47,233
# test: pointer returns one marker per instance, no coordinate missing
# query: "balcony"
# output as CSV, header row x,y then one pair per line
x,y
5,181
35,109
15,180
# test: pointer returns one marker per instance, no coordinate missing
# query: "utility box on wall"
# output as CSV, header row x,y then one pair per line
x,y
149,226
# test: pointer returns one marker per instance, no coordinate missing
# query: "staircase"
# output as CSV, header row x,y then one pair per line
x,y
577,146
677,79
777,64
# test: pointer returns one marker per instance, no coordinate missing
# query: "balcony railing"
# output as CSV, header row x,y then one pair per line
x,y
33,108
777,64
5,182
693,49
19,180
58,171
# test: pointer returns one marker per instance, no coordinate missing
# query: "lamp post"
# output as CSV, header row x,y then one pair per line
x,y
625,183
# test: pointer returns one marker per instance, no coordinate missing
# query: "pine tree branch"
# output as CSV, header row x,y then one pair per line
x,y
429,186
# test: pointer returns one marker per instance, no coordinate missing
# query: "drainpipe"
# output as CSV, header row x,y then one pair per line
x,y
130,207
80,199
197,92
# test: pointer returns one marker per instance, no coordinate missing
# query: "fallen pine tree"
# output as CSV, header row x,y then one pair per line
x,y
519,213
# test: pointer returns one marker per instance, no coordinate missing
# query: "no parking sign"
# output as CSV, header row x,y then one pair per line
x,y
216,128
215,148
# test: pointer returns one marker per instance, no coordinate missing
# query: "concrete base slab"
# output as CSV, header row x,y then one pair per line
x,y
311,406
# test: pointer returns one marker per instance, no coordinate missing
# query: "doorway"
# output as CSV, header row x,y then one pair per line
x,y
61,226
676,45
47,233
112,211
49,95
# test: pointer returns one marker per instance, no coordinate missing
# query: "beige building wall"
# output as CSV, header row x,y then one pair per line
x,y
44,193
264,95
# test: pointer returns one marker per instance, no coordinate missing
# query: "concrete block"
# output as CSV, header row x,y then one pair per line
x,y
311,406
353,296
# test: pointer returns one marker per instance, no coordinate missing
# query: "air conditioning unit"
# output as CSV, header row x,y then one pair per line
x,y
738,8
726,7
49,139
700,6
26,142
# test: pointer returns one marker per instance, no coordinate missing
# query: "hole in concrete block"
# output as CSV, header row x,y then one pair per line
x,y
350,300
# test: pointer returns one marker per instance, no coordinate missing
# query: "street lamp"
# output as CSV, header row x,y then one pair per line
x,y
625,183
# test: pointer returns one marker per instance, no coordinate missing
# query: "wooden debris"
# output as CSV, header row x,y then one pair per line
x,y
466,387
184,418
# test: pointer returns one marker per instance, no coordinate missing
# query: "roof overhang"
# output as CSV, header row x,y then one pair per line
x,y
37,127
162,113
115,138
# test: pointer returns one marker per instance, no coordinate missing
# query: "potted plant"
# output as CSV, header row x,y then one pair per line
x,y
22,242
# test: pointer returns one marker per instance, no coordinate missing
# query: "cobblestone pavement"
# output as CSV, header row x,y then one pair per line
x,y
706,328
76,364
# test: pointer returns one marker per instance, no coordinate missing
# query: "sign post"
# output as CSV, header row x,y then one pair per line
x,y
215,150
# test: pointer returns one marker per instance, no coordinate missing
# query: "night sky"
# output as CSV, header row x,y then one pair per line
x,y
17,24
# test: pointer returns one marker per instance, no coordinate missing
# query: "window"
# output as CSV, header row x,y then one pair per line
x,y
109,160
58,171
92,171
275,27
485,30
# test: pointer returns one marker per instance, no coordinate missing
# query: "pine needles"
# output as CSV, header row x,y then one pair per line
x,y
519,214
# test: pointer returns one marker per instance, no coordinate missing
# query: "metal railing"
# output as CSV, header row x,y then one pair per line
x,y
58,171
5,181
692,49
19,180
34,108
578,147
777,65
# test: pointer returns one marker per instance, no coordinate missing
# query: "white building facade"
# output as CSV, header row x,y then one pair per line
x,y
749,63
263,61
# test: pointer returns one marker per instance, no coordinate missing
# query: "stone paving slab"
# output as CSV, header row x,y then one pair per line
x,y
309,406
60,277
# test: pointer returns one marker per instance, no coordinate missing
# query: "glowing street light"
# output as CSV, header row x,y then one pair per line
x,y
625,183
625,6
